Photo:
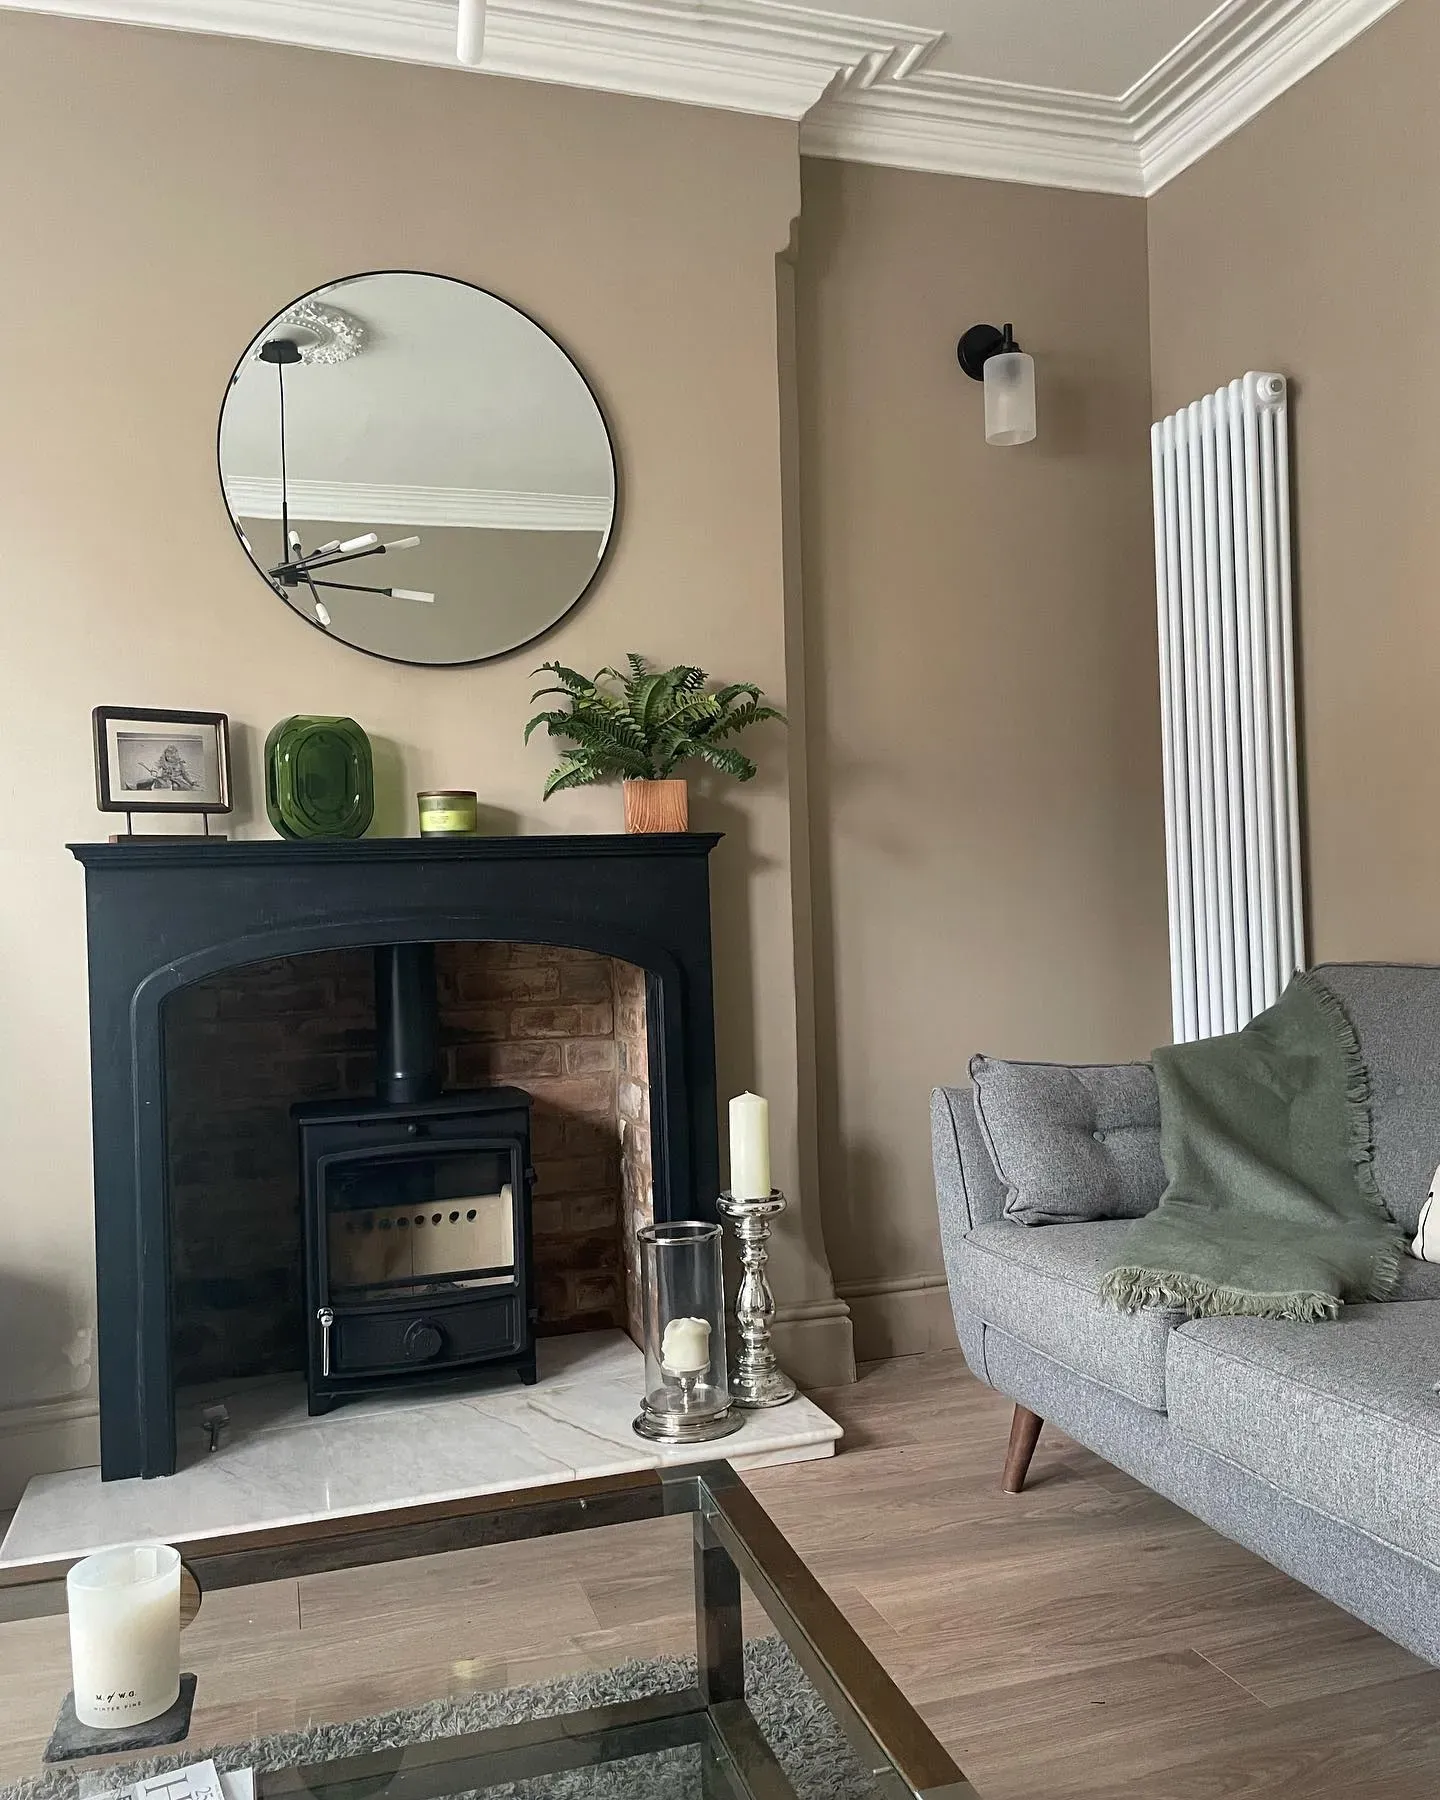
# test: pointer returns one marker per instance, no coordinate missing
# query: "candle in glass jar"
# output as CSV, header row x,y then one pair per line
x,y
449,812
124,1608
685,1347
750,1147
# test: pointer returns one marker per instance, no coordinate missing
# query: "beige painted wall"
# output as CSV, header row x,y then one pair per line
x,y
167,194
989,867
1308,243
974,773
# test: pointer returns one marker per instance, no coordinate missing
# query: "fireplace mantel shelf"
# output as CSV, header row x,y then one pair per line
x,y
201,852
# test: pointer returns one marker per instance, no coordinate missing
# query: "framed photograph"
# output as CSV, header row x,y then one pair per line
x,y
158,761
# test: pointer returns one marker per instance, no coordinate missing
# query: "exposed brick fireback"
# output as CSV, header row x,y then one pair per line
x,y
568,1026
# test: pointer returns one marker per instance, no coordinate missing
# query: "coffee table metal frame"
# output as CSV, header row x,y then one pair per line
x,y
734,1538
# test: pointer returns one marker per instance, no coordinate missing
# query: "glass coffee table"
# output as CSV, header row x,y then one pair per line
x,y
396,1654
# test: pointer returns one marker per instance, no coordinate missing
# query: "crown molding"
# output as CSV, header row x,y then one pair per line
x,y
1231,67
493,509
863,88
741,55
957,125
1239,59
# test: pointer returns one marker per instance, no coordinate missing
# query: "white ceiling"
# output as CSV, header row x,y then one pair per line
x,y
1084,46
1112,95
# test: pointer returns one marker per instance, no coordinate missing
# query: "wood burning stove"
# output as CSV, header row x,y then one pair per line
x,y
416,1209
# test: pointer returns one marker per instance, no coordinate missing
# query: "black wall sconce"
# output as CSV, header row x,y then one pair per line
x,y
992,356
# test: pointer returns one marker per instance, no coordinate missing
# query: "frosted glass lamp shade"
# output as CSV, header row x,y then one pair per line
x,y
1010,398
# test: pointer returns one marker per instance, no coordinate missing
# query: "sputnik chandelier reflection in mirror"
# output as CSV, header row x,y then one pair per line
x,y
299,567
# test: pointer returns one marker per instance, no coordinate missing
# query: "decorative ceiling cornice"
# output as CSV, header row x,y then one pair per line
x,y
1243,56
742,55
958,125
1246,54
489,509
863,88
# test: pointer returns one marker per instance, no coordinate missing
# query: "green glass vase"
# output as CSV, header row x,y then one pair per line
x,y
319,778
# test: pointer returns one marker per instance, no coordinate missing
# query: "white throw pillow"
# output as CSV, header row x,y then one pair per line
x,y
1427,1238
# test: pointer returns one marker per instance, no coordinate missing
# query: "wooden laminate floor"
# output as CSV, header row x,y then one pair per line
x,y
1083,1639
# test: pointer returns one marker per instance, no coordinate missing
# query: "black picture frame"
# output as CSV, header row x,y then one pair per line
x,y
110,793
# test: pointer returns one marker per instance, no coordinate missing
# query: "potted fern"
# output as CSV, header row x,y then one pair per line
x,y
640,727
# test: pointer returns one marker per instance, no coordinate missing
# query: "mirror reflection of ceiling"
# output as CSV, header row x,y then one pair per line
x,y
457,419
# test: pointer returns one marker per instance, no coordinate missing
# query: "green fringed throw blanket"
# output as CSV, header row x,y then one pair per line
x,y
1272,1208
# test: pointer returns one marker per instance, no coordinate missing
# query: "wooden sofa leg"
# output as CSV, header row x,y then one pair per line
x,y
1024,1435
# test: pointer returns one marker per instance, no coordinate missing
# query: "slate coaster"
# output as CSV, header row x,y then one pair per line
x,y
70,1738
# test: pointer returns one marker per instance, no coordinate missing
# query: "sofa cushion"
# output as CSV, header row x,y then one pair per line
x,y
1417,1281
966,1186
1043,1287
1341,1416
1395,1010
1071,1141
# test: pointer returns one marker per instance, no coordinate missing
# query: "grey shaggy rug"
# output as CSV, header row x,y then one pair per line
x,y
794,1719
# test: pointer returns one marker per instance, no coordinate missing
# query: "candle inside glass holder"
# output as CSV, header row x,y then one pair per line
x,y
450,812
685,1347
687,1394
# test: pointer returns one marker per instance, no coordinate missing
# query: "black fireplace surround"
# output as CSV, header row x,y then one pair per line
x,y
168,912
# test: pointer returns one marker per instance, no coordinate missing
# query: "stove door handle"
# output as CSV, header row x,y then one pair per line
x,y
326,1316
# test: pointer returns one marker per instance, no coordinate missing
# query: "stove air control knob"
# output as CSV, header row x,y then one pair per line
x,y
424,1341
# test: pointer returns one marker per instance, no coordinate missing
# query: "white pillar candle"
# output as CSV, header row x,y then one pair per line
x,y
125,1634
685,1347
750,1147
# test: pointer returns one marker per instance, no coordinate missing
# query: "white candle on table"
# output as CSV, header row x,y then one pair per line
x,y
685,1347
750,1147
124,1610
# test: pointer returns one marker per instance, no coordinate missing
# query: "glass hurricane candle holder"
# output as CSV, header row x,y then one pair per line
x,y
687,1393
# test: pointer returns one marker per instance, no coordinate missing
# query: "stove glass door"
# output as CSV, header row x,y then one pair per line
x,y
426,1220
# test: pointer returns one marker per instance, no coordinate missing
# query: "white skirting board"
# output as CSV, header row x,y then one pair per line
x,y
900,1315
45,1434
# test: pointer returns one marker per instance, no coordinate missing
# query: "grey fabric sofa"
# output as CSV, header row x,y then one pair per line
x,y
1316,1446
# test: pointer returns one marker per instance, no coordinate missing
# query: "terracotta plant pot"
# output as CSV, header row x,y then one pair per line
x,y
657,805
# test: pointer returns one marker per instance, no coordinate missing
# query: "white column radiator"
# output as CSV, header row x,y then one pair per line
x,y
1227,685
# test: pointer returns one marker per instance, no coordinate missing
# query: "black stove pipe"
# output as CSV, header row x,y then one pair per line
x,y
407,1024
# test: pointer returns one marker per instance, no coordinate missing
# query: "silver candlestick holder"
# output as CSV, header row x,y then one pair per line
x,y
758,1379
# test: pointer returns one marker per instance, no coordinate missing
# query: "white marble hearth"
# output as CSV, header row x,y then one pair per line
x,y
277,1466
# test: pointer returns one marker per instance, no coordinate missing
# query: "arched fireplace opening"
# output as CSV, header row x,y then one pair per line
x,y
359,1040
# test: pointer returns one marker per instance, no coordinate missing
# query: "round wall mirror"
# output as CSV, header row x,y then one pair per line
x,y
417,468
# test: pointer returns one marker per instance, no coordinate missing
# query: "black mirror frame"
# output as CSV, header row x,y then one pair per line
x,y
405,662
